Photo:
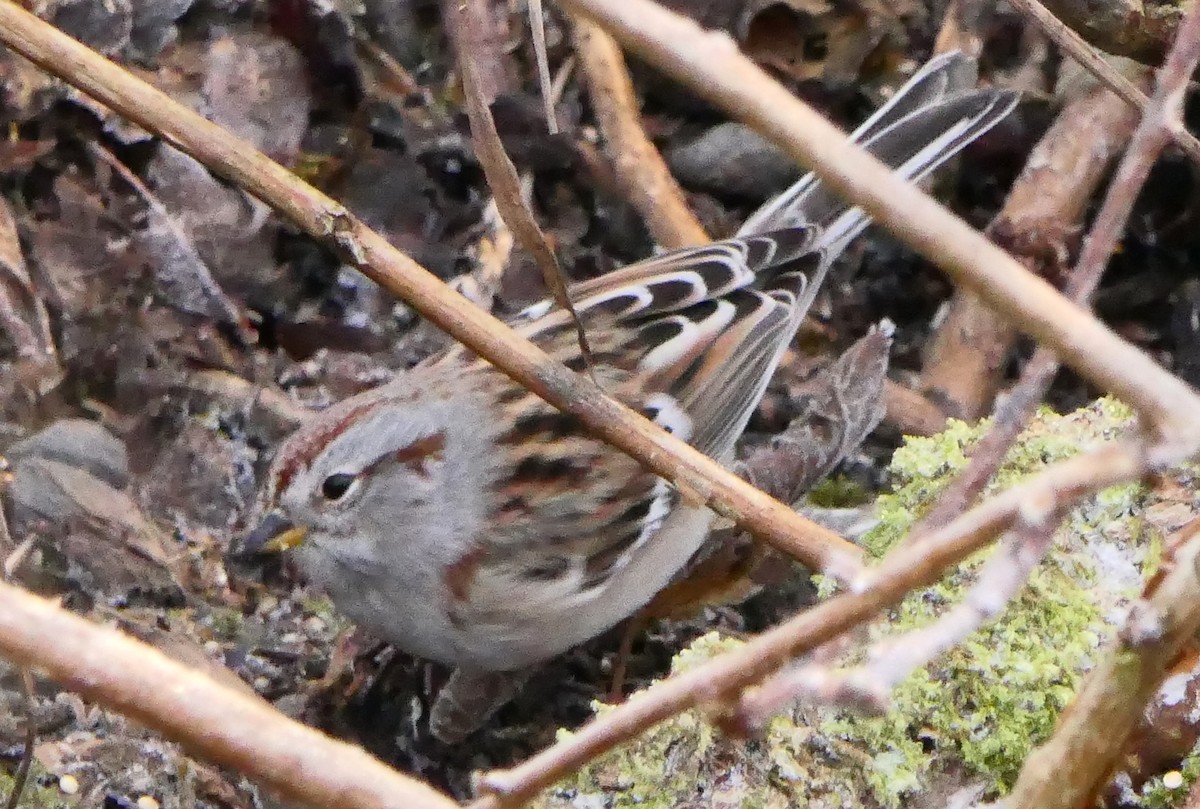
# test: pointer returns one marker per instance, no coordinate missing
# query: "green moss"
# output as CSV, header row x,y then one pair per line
x,y
977,710
319,605
36,795
838,492
226,623
989,700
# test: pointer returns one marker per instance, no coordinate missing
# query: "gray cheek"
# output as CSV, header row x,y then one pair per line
x,y
332,558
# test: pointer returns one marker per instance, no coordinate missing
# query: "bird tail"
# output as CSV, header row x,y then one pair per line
x,y
928,121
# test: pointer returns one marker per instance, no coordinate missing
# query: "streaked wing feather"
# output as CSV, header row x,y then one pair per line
x,y
914,146
735,371
940,76
673,281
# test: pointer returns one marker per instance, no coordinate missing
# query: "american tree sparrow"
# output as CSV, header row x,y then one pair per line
x,y
461,518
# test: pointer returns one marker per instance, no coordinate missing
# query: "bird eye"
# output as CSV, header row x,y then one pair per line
x,y
335,486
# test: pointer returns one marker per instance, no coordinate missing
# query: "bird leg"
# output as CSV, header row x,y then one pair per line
x,y
469,698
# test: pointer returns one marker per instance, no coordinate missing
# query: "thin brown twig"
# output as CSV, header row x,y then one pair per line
x,y
324,218
396,78
21,777
1132,28
210,719
909,566
537,32
711,65
559,86
465,17
643,175
1075,764
1087,56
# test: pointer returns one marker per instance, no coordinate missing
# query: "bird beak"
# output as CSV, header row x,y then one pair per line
x,y
274,534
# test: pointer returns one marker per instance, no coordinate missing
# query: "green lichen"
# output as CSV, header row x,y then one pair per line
x,y
974,713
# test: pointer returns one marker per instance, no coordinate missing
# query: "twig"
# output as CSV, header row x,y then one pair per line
x,y
1132,28
711,65
21,778
1162,116
502,177
23,314
911,565
1070,769
1091,346
561,78
1094,730
644,177
395,77
1086,55
911,413
209,719
537,30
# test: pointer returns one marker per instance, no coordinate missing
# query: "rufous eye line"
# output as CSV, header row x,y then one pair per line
x,y
418,452
415,455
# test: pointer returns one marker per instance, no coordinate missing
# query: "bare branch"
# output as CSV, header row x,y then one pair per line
x,y
537,32
1039,223
701,478
644,177
209,719
11,564
890,662
1163,115
1134,28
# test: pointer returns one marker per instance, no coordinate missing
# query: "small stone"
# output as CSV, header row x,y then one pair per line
x,y
262,683
68,784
